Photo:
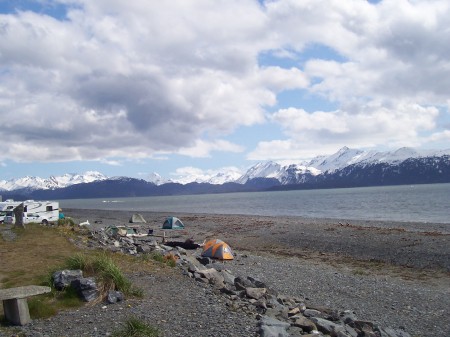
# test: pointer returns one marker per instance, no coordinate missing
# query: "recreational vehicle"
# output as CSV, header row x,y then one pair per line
x,y
33,211
6,209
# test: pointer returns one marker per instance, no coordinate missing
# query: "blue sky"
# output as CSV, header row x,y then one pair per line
x,y
189,87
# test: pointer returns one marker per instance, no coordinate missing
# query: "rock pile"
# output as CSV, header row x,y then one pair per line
x,y
278,315
86,287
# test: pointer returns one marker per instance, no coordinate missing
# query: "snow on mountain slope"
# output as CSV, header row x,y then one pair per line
x,y
339,160
261,170
52,182
285,173
156,179
212,177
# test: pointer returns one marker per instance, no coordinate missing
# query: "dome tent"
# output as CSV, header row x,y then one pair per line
x,y
173,222
217,249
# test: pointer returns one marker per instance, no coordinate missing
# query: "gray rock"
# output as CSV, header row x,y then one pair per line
x,y
204,260
86,288
348,316
256,283
143,249
312,313
390,332
305,323
271,327
228,278
114,296
325,326
255,293
63,278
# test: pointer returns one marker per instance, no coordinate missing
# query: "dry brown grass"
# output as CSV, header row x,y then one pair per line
x,y
32,254
37,251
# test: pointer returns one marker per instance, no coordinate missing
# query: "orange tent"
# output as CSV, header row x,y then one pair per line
x,y
217,249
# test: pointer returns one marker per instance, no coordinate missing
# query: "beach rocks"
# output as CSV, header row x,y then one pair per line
x,y
86,287
64,278
281,315
275,314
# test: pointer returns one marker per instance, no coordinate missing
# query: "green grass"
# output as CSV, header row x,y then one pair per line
x,y
158,257
105,270
168,260
136,328
77,261
38,251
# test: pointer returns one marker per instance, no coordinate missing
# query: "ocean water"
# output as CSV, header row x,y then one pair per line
x,y
416,203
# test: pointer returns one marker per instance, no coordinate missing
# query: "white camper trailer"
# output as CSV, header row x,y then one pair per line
x,y
33,211
6,209
40,211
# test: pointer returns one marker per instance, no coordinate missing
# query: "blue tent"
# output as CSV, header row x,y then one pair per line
x,y
173,223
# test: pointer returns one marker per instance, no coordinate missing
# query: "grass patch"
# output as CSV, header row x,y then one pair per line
x,y
106,271
158,257
38,251
169,259
136,328
35,249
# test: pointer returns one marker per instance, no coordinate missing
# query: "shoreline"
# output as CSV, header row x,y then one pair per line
x,y
383,273
413,226
402,245
396,274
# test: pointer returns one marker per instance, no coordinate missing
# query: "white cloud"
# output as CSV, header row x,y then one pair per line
x,y
130,79
368,126
202,149
139,79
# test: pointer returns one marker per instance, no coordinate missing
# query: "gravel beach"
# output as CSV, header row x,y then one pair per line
x,y
394,274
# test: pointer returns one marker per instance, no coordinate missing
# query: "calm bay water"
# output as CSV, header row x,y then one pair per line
x,y
418,203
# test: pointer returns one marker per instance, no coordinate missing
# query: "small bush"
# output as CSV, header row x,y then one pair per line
x,y
169,259
111,275
136,328
77,261
158,257
66,222
105,270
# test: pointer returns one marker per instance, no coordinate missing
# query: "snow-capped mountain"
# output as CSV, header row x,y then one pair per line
x,y
345,157
346,166
230,174
156,179
268,169
35,183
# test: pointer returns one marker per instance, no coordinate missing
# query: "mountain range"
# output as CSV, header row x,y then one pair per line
x,y
345,168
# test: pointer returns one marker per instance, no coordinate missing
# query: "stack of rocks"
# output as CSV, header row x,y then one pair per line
x,y
276,314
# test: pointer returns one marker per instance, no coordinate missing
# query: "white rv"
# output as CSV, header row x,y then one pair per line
x,y
6,208
33,211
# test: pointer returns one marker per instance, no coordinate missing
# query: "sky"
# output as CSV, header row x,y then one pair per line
x,y
177,87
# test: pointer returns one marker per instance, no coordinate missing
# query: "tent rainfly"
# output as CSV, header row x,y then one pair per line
x,y
217,249
173,223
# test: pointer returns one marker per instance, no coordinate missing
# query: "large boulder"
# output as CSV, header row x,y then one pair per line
x,y
271,327
86,288
64,278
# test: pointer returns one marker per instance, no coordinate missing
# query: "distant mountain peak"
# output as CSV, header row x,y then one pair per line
x,y
53,182
286,173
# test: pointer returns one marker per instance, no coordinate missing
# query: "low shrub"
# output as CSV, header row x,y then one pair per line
x,y
136,328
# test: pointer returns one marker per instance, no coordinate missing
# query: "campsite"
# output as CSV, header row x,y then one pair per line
x,y
269,255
